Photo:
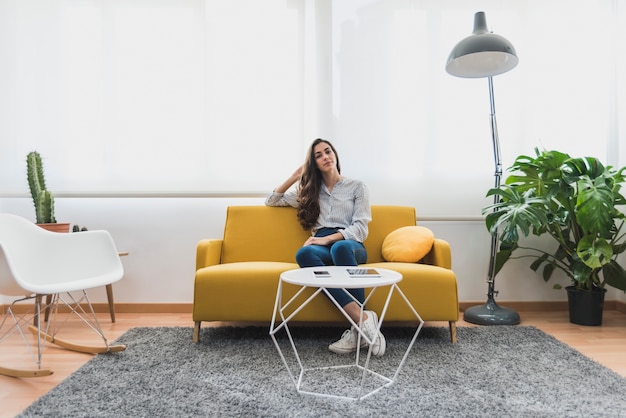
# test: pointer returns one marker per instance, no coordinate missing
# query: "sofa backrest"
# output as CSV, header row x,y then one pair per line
x,y
263,233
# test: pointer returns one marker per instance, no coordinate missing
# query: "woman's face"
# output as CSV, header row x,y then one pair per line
x,y
324,157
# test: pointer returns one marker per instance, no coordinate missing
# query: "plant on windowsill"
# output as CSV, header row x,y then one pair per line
x,y
42,198
576,202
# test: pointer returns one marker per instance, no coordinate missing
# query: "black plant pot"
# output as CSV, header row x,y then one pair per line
x,y
585,306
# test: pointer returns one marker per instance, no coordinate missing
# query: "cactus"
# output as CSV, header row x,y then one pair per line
x,y
42,198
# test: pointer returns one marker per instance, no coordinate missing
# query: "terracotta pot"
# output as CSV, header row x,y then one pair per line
x,y
56,227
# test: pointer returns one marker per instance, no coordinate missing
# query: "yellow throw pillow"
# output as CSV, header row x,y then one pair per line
x,y
408,244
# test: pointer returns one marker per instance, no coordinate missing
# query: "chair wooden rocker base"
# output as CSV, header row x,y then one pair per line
x,y
47,332
5,371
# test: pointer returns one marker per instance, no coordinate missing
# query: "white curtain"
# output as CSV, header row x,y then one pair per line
x,y
140,96
422,137
202,97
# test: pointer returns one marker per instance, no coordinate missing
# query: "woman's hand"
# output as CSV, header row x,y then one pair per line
x,y
316,241
327,240
298,173
293,178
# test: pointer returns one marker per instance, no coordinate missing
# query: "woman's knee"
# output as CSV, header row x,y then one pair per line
x,y
303,256
345,253
309,256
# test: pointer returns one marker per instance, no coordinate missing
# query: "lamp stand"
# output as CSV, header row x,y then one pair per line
x,y
491,313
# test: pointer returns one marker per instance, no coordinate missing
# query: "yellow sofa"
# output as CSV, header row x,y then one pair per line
x,y
237,276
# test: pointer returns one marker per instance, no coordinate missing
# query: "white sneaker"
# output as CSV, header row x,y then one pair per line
x,y
370,328
347,343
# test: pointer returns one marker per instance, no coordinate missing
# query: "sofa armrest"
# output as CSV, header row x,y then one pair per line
x,y
208,253
439,255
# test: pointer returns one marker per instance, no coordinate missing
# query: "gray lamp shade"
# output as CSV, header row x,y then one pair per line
x,y
482,54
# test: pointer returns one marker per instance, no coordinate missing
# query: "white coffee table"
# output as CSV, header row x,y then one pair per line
x,y
337,278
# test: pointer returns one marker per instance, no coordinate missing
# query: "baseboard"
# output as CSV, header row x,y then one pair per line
x,y
530,306
543,306
146,307
121,308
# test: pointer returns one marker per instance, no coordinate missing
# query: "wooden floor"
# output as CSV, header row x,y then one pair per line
x,y
605,344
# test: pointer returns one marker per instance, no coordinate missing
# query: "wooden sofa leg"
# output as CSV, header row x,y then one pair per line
x,y
196,331
453,331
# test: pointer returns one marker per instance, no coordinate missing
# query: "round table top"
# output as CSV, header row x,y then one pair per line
x,y
339,277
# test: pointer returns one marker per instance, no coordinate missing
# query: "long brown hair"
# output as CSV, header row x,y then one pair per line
x,y
309,188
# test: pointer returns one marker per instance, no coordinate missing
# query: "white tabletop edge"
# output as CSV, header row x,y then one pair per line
x,y
339,277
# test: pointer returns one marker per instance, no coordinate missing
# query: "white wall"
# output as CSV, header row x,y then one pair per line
x,y
161,236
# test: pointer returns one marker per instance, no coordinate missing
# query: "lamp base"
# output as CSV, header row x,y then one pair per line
x,y
491,314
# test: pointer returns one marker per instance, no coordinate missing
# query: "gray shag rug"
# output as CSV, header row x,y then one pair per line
x,y
504,371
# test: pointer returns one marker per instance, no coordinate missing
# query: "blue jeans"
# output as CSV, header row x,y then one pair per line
x,y
340,253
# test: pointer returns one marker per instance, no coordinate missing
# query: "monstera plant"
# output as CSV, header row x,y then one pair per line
x,y
577,202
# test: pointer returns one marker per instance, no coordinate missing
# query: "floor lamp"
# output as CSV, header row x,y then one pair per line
x,y
485,54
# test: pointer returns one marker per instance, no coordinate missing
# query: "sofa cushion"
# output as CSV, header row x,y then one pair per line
x,y
408,244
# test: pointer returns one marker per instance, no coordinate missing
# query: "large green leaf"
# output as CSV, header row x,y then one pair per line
x,y
502,257
594,252
548,269
582,275
584,166
541,174
614,275
594,206
514,212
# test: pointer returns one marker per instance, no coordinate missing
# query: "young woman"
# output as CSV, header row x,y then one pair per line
x,y
336,210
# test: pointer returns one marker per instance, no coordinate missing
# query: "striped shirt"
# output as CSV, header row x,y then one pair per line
x,y
347,206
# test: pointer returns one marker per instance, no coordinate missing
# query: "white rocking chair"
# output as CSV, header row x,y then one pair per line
x,y
35,263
